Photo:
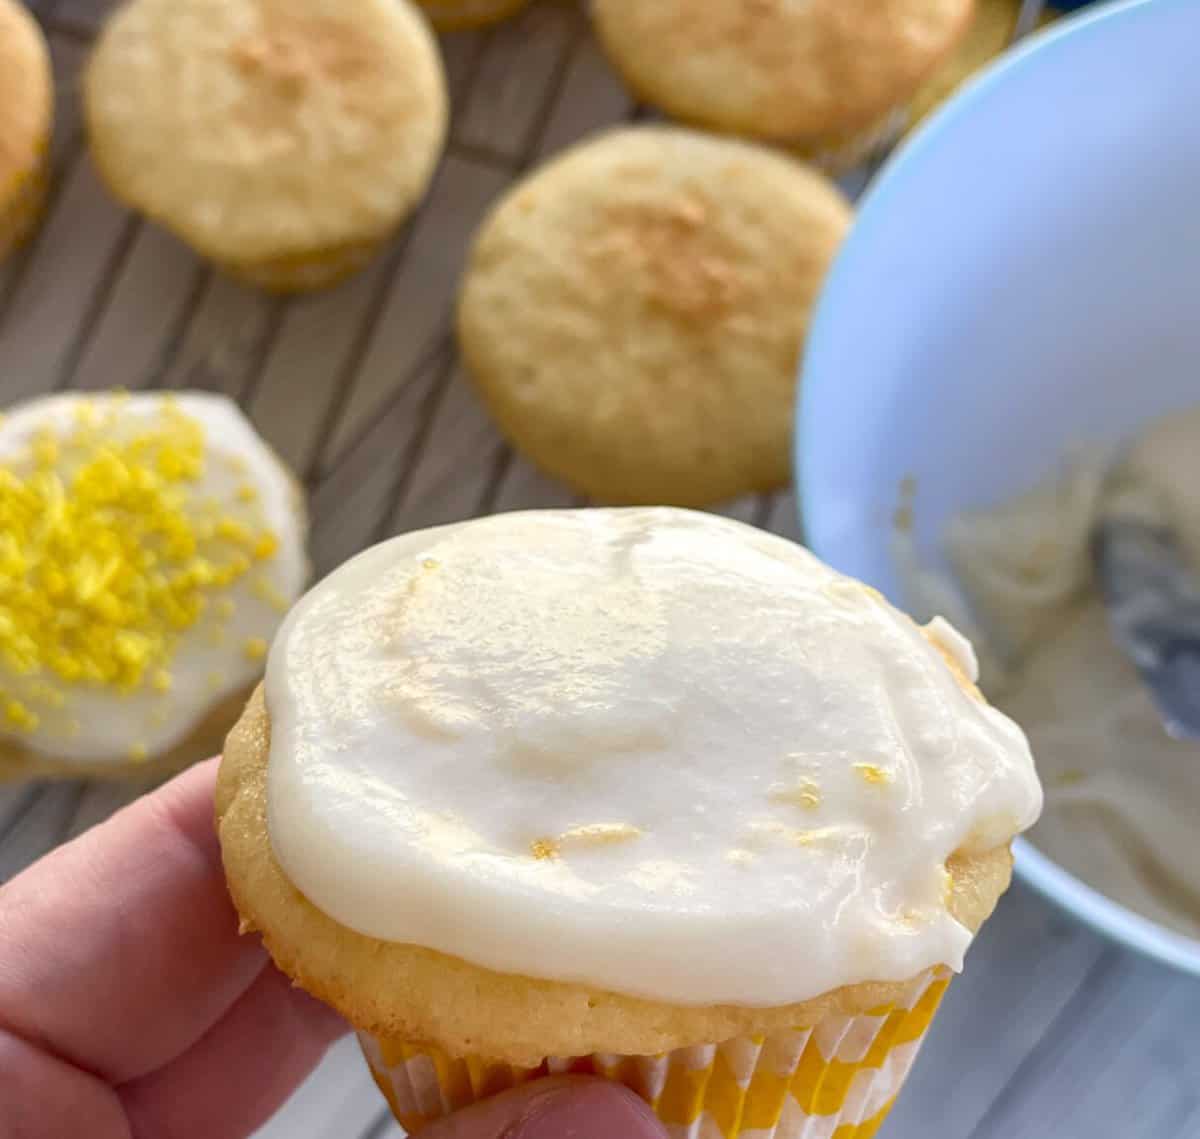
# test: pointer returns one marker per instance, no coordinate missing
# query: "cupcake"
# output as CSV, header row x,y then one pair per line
x,y
828,78
455,15
633,312
149,547
641,793
26,119
991,32
285,141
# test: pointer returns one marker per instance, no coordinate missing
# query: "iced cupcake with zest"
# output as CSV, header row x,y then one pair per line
x,y
643,793
149,548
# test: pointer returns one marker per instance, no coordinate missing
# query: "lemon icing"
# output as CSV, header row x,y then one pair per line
x,y
149,547
654,751
1122,796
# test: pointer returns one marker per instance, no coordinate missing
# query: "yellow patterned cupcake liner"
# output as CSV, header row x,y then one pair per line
x,y
837,1080
22,199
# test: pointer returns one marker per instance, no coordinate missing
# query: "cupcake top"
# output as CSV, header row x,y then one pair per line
x,y
776,68
634,312
149,547
657,752
260,129
26,93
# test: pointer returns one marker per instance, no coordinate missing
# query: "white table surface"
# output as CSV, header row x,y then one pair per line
x,y
1049,1032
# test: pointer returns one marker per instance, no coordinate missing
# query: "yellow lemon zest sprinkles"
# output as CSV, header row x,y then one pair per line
x,y
101,565
255,648
873,773
544,849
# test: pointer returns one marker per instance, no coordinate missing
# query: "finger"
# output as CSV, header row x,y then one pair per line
x,y
41,1097
234,1078
564,1106
121,948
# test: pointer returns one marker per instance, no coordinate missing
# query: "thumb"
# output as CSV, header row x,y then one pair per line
x,y
564,1107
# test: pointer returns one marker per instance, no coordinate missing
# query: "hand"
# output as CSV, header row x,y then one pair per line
x,y
130,1008
565,1107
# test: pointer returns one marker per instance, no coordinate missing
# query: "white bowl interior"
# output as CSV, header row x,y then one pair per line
x,y
1024,275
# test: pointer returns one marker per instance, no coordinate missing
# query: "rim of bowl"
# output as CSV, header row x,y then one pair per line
x,y
1034,868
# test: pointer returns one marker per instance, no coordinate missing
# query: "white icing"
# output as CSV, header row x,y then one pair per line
x,y
1122,797
753,768
100,725
959,648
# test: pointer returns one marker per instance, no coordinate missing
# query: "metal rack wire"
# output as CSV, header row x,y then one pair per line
x,y
359,388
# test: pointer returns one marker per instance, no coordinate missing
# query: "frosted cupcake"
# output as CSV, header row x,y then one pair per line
x,y
149,547
284,140
641,793
26,119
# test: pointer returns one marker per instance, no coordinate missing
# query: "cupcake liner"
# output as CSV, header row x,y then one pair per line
x,y
836,1080
21,202
838,155
302,273
457,15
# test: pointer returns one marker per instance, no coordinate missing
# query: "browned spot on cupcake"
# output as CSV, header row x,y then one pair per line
x,y
675,256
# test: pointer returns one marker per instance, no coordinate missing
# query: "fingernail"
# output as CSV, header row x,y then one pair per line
x,y
587,1109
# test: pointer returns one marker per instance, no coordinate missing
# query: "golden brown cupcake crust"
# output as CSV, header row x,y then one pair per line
x,y
458,15
26,120
26,93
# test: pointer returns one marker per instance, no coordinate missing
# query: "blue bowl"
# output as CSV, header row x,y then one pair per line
x,y
1023,275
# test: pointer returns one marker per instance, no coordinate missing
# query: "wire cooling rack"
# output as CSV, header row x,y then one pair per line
x,y
360,388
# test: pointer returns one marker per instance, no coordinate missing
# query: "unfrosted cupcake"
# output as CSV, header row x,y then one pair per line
x,y
149,547
641,793
990,33
284,140
26,120
456,15
828,78
634,312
